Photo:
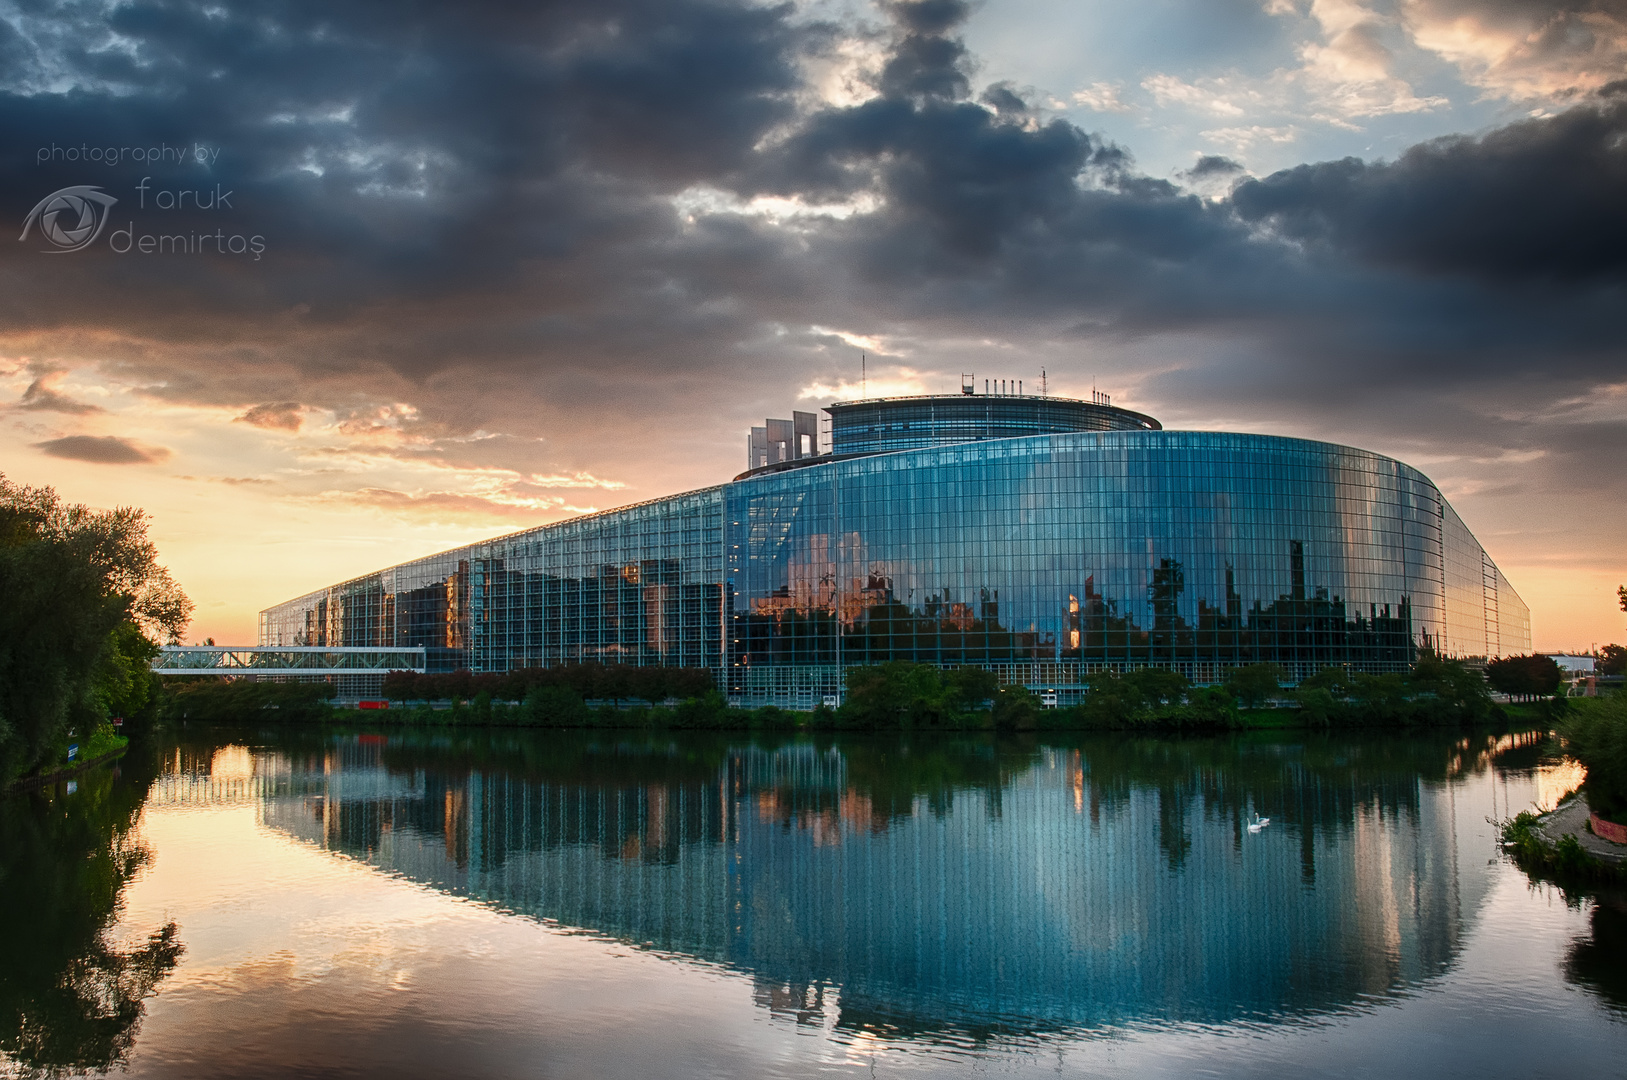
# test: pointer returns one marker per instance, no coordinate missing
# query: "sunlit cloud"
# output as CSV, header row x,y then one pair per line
x,y
1525,51
274,416
1101,97
892,382
457,507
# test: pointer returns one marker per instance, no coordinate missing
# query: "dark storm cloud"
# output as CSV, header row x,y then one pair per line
x,y
1211,165
516,219
1537,199
103,450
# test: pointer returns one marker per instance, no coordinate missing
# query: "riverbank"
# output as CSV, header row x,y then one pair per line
x,y
1573,818
714,715
1560,846
103,755
893,696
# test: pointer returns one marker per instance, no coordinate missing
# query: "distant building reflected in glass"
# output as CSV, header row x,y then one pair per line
x,y
956,887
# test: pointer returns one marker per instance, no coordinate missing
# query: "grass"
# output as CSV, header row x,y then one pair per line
x,y
103,741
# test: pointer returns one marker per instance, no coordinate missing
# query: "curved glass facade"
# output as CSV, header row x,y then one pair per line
x,y
1051,557
1045,558
889,424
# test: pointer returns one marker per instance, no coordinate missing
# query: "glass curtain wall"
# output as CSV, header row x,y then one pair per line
x,y
1045,558
423,603
640,585
1053,557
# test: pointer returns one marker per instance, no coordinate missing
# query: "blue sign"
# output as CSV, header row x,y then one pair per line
x,y
73,751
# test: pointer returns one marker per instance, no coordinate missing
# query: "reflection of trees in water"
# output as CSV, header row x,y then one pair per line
x,y
70,999
1599,962
1314,783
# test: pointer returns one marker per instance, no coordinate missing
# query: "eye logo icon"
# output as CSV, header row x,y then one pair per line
x,y
71,219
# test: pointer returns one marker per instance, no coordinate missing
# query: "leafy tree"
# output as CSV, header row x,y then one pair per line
x,y
903,694
1524,676
896,694
1380,697
971,688
1595,733
1449,681
1143,696
1111,701
126,683
77,583
1158,686
1253,684
555,706
1016,708
214,699
1612,660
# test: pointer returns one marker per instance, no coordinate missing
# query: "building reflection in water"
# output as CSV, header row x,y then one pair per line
x,y
947,887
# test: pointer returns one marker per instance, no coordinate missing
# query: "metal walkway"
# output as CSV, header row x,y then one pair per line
x,y
258,660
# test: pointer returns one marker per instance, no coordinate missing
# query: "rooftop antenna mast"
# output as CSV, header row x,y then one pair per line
x,y
864,376
1044,389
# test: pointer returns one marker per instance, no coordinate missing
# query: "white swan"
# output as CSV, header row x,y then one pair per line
x,y
1258,823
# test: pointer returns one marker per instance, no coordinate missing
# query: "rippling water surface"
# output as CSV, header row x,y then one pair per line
x,y
244,902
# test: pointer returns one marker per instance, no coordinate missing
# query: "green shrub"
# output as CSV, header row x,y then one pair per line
x,y
555,706
1016,708
1594,731
900,694
1254,684
225,700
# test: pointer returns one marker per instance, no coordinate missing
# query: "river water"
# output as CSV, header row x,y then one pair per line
x,y
247,902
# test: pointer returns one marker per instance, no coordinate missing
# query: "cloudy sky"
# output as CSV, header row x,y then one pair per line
x,y
452,270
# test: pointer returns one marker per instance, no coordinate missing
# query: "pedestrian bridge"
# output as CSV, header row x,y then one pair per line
x,y
284,660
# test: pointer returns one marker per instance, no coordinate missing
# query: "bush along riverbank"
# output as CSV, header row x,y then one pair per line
x,y
1564,862
1566,846
896,696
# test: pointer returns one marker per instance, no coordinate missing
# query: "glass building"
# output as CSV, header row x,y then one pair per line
x,y
1043,538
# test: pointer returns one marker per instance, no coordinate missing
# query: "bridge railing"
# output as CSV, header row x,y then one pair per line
x,y
267,660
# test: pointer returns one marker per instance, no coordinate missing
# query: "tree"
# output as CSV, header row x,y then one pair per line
x,y
1612,660
1253,684
1524,676
1595,733
1158,686
904,694
80,587
1016,708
